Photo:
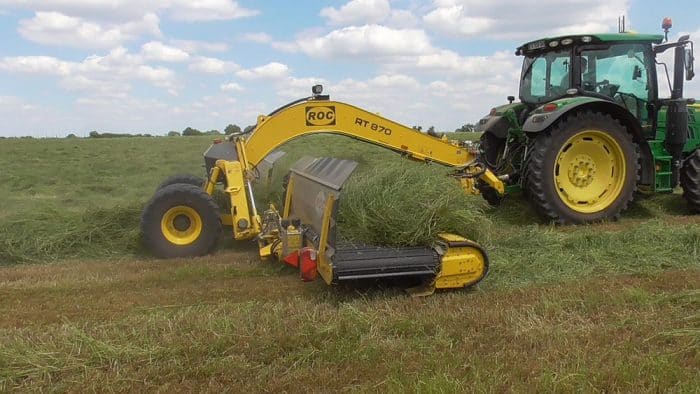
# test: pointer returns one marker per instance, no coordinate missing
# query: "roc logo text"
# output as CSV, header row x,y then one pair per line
x,y
320,115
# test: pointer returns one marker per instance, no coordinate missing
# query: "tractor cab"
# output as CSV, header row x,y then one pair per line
x,y
613,67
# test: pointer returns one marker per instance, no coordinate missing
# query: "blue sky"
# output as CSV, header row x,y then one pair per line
x,y
153,66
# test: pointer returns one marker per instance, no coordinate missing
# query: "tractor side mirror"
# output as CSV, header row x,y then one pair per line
x,y
637,73
689,60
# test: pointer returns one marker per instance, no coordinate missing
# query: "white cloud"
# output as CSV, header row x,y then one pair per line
x,y
128,10
368,40
108,75
46,65
54,28
195,46
156,50
358,12
261,38
272,70
231,87
501,19
211,65
207,10
453,20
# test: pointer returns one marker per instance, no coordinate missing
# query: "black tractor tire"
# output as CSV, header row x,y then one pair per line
x,y
182,178
220,197
690,181
491,150
191,199
542,164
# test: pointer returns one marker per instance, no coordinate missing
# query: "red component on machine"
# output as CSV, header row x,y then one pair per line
x,y
307,264
305,260
292,259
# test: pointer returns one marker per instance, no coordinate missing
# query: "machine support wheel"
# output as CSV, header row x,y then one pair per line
x,y
182,178
690,181
181,220
583,170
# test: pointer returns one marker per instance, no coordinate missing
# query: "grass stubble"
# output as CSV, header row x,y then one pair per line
x,y
610,307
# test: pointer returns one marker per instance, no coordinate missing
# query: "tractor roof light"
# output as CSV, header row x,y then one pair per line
x,y
586,39
553,44
667,23
567,41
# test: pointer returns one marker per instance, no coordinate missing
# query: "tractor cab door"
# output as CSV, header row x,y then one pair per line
x,y
623,72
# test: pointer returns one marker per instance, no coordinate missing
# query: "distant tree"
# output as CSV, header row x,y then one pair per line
x,y
189,131
173,134
71,135
232,129
94,134
248,129
466,128
417,128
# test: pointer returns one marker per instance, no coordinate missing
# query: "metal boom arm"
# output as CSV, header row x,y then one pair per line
x,y
325,116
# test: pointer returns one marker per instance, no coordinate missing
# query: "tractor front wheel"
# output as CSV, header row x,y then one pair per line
x,y
583,170
690,181
181,220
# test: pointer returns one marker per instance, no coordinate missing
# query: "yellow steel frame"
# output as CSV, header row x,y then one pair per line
x,y
339,118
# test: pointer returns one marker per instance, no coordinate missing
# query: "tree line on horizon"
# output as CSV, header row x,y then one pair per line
x,y
228,130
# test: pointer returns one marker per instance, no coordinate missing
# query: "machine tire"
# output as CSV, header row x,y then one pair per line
x,y
690,181
182,178
585,169
187,207
491,148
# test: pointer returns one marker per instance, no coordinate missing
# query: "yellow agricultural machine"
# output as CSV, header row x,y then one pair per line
x,y
183,219
589,133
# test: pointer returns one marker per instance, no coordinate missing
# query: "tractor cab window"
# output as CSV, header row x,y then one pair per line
x,y
619,72
545,77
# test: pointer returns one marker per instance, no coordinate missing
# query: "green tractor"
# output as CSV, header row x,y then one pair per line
x,y
590,131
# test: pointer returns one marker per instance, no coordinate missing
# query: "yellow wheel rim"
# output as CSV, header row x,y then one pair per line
x,y
181,225
590,172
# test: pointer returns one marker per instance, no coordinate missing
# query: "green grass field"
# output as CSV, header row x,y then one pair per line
x,y
608,307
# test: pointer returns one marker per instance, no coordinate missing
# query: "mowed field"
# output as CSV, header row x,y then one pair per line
x,y
608,307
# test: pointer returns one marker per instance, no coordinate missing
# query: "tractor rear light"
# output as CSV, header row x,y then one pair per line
x,y
551,107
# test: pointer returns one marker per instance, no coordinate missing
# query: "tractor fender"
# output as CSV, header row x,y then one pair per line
x,y
539,120
501,120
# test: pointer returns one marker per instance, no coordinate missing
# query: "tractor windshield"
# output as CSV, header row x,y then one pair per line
x,y
545,76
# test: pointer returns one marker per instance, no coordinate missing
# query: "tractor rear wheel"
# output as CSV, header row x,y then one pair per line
x,y
181,220
690,181
182,178
583,170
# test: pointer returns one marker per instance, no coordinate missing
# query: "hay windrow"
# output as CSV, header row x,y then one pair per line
x,y
54,234
406,204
